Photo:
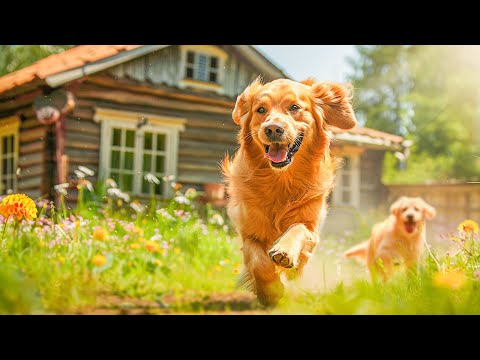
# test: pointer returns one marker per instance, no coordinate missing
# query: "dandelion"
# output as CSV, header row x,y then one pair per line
x,y
152,179
135,246
469,226
86,170
152,246
99,260
449,280
19,206
99,234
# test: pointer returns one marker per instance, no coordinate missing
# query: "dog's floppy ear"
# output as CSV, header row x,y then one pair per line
x,y
332,101
397,206
243,103
429,210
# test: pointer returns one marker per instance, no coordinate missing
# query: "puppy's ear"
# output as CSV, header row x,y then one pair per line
x,y
397,206
332,101
243,103
428,210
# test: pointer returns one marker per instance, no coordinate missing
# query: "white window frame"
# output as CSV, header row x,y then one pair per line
x,y
209,51
170,126
354,186
9,126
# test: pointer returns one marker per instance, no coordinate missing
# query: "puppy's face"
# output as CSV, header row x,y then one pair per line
x,y
411,212
281,115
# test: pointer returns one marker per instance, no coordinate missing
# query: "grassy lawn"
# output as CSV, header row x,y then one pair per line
x,y
114,256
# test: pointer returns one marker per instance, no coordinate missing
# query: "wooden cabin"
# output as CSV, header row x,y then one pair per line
x,y
127,110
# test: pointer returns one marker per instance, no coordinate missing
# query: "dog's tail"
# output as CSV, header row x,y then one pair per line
x,y
359,250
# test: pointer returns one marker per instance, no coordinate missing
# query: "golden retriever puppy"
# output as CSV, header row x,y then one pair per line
x,y
280,177
398,240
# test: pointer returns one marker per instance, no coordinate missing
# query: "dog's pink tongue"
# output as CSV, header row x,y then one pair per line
x,y
410,227
277,153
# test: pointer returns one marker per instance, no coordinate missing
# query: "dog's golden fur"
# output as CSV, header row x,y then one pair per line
x,y
397,242
277,201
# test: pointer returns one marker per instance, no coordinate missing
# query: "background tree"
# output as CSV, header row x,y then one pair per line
x,y
14,57
428,94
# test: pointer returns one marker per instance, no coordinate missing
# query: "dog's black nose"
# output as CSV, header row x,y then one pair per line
x,y
410,218
274,131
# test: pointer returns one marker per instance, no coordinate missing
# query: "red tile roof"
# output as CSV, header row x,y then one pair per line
x,y
372,133
57,63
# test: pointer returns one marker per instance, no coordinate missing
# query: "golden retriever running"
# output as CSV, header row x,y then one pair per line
x,y
280,177
398,240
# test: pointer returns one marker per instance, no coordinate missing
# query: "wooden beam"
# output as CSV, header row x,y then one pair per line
x,y
139,87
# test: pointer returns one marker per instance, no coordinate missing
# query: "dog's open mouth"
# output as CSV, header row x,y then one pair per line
x,y
410,226
281,155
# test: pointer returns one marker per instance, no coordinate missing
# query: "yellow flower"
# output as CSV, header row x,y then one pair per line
x,y
468,226
217,268
158,262
152,246
177,250
237,268
41,243
135,246
99,260
144,222
449,280
77,224
61,259
138,230
99,234
129,263
18,205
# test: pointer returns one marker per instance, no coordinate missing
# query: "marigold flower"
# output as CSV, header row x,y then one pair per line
x,y
19,206
99,260
449,280
135,246
99,234
152,246
469,226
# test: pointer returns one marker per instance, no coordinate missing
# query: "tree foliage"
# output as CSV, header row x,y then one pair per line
x,y
14,57
428,94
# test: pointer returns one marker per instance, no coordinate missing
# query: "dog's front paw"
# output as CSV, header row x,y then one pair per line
x,y
281,258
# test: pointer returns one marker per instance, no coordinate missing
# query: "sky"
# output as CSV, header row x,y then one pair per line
x,y
323,62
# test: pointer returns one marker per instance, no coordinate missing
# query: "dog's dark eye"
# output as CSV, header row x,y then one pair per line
x,y
404,209
416,208
261,110
294,107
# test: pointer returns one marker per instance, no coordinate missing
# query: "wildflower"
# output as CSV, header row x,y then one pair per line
x,y
158,262
152,179
468,226
137,206
85,183
152,246
216,219
156,237
177,250
181,200
168,178
176,186
111,183
217,268
79,174
224,262
138,230
115,192
99,234
99,260
129,263
135,246
41,243
449,280
19,206
237,268
190,193
61,259
61,188
86,170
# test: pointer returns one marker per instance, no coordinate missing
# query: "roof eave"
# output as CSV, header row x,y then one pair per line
x,y
367,141
100,65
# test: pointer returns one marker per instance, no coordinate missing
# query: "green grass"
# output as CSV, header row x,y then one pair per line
x,y
190,251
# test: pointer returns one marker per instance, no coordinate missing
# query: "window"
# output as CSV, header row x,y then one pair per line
x,y
8,155
201,67
346,191
134,145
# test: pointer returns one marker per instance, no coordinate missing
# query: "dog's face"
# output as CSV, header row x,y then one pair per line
x,y
281,115
411,212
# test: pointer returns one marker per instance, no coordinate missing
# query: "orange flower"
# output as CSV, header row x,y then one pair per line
x,y
469,226
18,205
99,260
99,234
449,280
152,246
